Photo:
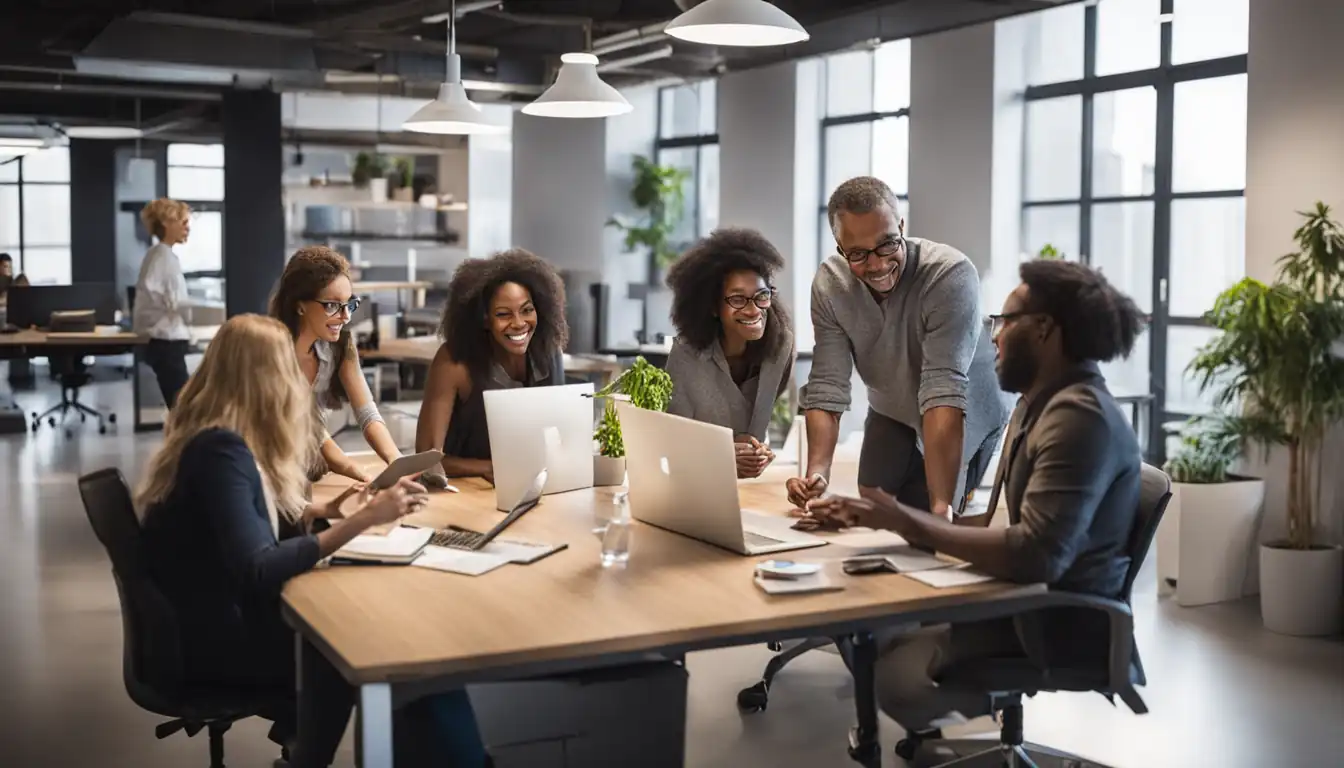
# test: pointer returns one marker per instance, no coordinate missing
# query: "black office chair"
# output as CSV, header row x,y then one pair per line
x,y
1008,680
72,374
151,655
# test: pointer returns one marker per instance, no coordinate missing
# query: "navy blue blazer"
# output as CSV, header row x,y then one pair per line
x,y
213,554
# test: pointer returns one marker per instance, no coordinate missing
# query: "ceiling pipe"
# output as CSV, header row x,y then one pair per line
x,y
112,90
463,10
630,34
631,61
621,45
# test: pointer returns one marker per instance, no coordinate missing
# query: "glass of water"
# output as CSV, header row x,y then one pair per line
x,y
616,534
603,513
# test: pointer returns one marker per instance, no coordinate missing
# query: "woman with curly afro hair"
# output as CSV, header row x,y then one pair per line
x,y
734,352
503,327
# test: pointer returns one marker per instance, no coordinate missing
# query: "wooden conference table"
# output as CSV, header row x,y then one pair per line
x,y
398,632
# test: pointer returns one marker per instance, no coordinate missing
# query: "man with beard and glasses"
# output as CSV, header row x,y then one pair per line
x,y
906,313
1071,474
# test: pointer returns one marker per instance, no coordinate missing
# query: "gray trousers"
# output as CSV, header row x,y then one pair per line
x,y
910,661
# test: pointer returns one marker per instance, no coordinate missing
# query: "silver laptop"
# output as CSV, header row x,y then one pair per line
x,y
683,477
535,429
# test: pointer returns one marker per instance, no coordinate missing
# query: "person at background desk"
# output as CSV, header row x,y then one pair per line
x,y
734,352
315,300
161,303
906,312
1071,472
503,327
224,514
8,278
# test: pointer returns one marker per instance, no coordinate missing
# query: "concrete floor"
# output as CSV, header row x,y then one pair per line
x,y
1223,692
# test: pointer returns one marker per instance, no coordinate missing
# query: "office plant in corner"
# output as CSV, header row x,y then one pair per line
x,y
645,386
658,193
1209,532
1277,360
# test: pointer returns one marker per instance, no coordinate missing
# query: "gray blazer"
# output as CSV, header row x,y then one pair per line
x,y
703,388
1071,469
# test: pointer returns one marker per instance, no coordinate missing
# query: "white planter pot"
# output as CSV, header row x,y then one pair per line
x,y
1302,590
1207,539
608,471
378,190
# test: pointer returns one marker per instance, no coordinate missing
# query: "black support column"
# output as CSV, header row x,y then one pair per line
x,y
93,211
254,220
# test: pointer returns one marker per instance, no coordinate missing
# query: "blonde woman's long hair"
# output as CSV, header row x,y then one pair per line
x,y
248,383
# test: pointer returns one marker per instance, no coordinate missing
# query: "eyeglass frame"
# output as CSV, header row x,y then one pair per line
x,y
755,298
897,244
350,306
999,322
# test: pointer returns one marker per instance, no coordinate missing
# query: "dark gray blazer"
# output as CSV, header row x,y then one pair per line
x,y
703,388
1071,469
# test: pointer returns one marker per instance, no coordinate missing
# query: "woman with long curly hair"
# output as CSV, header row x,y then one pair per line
x,y
315,300
503,327
734,352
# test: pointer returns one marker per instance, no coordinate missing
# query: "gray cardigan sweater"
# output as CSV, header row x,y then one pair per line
x,y
703,388
921,347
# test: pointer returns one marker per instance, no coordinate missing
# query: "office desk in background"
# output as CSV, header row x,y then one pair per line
x,y
28,344
399,632
421,350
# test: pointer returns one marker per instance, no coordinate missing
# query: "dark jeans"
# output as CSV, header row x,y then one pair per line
x,y
168,360
890,460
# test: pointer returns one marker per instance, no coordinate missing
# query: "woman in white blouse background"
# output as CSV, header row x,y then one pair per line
x,y
161,296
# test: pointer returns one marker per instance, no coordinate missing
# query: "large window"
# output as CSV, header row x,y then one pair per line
x,y
1135,152
865,130
196,176
688,139
35,215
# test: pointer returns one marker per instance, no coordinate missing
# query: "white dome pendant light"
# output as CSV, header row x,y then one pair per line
x,y
579,91
452,112
744,23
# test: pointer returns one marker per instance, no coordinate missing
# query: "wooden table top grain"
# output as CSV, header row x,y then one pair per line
x,y
395,624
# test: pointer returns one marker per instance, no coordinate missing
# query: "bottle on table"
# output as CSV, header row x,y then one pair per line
x,y
616,533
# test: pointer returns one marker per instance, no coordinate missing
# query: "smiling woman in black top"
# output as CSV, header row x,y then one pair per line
x,y
224,515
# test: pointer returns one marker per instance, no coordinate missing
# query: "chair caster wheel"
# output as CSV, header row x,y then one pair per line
x,y
82,418
753,699
69,434
776,647
111,418
102,430
51,422
907,748
867,754
35,426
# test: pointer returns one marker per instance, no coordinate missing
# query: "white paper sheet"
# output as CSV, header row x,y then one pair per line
x,y
401,541
913,560
817,582
865,541
458,561
956,576
516,551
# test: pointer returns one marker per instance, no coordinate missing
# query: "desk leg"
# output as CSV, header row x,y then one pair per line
x,y
864,747
375,725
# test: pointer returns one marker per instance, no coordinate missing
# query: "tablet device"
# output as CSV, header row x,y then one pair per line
x,y
404,467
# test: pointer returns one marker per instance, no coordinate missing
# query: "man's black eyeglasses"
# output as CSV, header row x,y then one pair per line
x,y
885,249
333,307
761,299
998,322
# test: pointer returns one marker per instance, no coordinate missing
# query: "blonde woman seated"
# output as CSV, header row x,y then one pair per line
x,y
223,520
734,352
315,300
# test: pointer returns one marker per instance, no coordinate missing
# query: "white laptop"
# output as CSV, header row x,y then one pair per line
x,y
683,477
536,428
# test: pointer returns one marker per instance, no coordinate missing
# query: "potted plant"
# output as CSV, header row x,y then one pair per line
x,y
370,172
659,194
402,180
1208,533
645,386
1274,359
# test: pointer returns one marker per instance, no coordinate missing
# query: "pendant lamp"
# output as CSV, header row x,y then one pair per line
x,y
452,112
579,91
744,23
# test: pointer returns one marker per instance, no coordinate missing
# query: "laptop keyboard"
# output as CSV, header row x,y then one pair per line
x,y
754,539
457,539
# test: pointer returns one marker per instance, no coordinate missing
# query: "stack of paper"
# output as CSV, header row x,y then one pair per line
x,y
458,561
955,576
400,545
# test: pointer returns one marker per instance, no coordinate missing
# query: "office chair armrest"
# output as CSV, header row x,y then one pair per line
x,y
1121,641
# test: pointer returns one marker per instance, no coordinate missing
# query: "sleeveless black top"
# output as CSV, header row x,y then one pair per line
x,y
468,436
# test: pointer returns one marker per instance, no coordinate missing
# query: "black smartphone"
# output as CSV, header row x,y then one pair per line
x,y
862,566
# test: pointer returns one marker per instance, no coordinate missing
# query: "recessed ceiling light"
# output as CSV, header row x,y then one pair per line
x,y
103,132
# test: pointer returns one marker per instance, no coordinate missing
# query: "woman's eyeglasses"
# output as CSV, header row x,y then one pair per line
x,y
886,250
333,307
761,299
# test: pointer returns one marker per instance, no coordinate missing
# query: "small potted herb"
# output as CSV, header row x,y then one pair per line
x,y
645,386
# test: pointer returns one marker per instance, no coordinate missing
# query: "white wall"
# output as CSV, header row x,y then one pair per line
x,y
489,193
1294,157
626,136
952,139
